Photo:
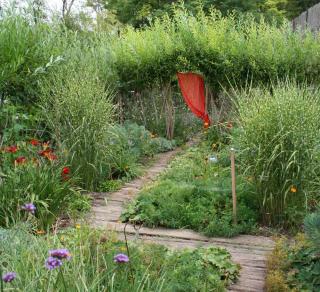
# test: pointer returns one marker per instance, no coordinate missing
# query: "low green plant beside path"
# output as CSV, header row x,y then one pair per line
x,y
87,260
194,193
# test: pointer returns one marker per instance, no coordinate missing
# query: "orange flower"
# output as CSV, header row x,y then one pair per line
x,y
293,189
229,125
45,153
206,125
40,232
11,149
51,156
20,160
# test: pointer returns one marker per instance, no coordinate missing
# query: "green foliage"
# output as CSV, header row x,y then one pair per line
x,y
16,123
129,144
146,11
38,180
293,266
151,267
226,50
278,141
78,111
194,194
312,229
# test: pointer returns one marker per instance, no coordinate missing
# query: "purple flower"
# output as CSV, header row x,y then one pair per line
x,y
52,263
60,254
29,207
9,277
121,258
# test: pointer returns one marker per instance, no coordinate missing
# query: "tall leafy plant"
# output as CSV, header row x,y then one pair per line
x,y
278,139
78,110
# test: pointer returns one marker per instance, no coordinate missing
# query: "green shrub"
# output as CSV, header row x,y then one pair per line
x,y
128,144
91,267
28,176
278,142
293,266
78,111
226,50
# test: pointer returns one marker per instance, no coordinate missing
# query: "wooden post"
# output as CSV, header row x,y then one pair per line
x,y
233,177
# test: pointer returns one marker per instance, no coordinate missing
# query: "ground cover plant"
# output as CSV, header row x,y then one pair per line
x,y
195,193
294,264
78,259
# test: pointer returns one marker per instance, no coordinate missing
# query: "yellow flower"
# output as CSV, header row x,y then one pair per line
x,y
77,226
123,248
62,238
293,189
40,232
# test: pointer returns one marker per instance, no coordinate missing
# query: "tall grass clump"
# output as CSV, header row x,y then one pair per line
x,y
278,138
78,111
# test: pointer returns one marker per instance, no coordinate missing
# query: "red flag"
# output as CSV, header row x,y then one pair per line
x,y
193,92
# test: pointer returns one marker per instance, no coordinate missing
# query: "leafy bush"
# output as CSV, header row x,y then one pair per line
x,y
32,174
312,229
78,111
226,50
150,267
293,266
194,194
128,144
16,123
278,139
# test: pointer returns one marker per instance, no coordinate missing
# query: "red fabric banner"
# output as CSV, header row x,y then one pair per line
x,y
193,92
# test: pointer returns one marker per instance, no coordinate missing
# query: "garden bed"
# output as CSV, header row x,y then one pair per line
x,y
195,193
98,261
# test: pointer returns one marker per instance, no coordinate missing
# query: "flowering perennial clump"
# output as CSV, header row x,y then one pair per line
x,y
60,254
121,258
52,263
56,258
29,207
9,277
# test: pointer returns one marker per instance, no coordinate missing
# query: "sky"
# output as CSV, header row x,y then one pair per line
x,y
57,4
52,5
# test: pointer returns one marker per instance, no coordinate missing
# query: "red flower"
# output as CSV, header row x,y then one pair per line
x,y
20,160
12,149
34,142
65,170
65,173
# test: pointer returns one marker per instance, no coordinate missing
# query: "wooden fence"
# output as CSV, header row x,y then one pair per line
x,y
308,19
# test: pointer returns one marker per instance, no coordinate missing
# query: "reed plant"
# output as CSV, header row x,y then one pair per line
x,y
278,138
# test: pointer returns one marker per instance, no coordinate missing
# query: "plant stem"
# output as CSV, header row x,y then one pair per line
x,y
1,281
127,247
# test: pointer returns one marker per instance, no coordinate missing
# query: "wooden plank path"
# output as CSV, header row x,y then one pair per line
x,y
249,251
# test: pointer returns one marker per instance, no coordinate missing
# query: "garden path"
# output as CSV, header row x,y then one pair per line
x,y
249,251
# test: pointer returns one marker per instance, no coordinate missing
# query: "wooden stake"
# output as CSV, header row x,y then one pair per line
x,y
234,194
